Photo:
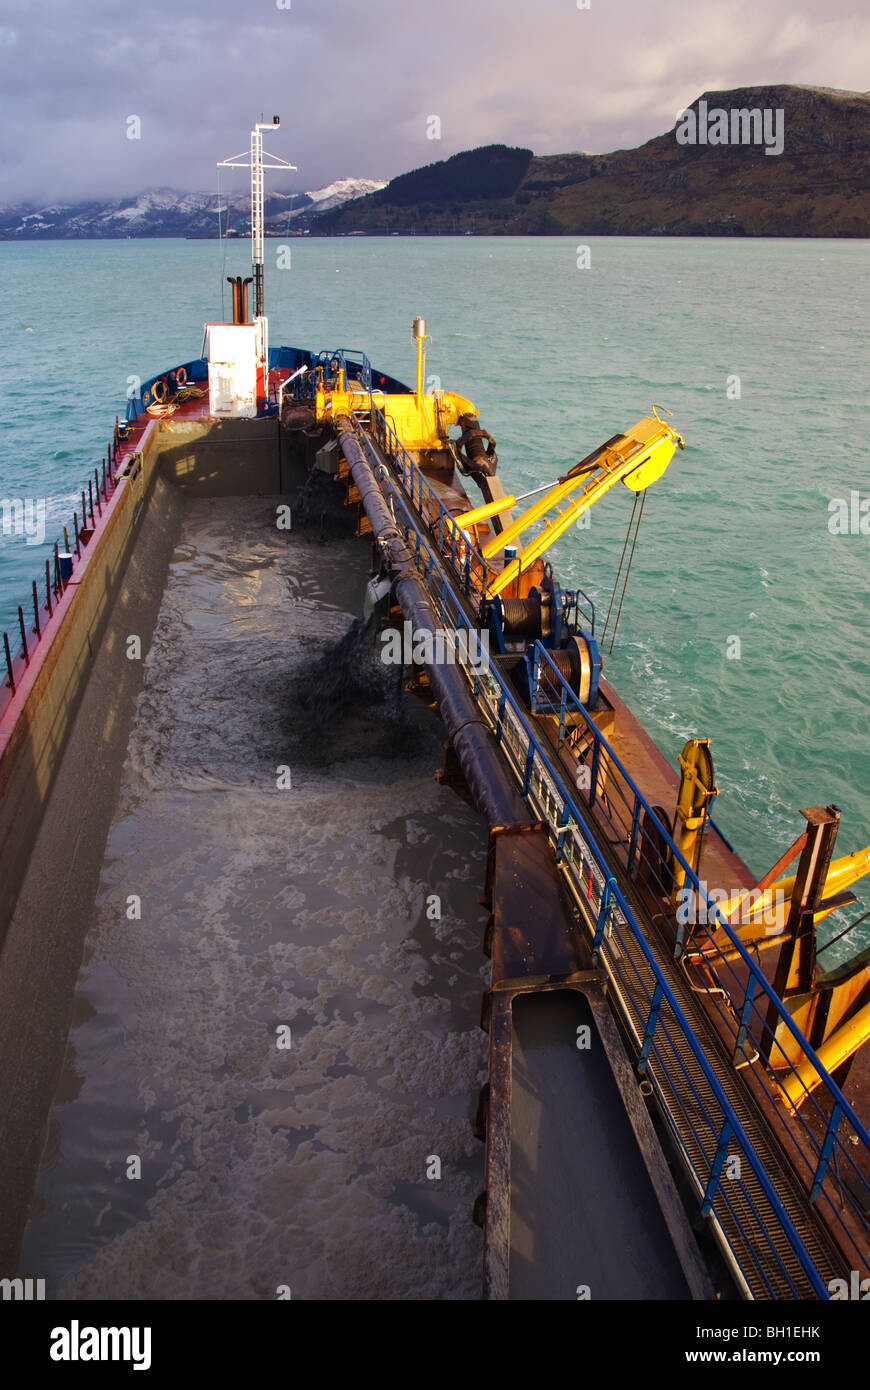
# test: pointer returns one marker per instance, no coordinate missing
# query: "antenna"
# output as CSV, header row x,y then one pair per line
x,y
254,162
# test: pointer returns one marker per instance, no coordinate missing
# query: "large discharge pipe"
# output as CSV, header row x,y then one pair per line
x,y
491,788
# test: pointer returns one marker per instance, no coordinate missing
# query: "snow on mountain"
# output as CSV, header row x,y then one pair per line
x,y
334,194
167,212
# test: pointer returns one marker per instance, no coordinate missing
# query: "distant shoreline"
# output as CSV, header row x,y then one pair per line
x,y
451,236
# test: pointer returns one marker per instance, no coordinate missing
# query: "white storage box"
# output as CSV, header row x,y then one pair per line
x,y
233,360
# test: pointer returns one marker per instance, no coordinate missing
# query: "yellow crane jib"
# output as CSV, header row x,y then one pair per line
x,y
637,458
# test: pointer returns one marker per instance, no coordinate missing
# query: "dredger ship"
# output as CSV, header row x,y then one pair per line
x,y
676,1083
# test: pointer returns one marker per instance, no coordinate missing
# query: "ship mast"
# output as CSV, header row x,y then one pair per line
x,y
255,163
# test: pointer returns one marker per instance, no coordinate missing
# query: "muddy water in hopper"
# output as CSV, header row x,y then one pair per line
x,y
306,906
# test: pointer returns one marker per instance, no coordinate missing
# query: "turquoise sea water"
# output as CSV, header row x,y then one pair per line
x,y
736,541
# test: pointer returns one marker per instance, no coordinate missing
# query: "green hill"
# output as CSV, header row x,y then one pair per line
x,y
819,185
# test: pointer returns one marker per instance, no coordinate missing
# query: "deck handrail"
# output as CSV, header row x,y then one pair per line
x,y
743,1004
101,487
474,569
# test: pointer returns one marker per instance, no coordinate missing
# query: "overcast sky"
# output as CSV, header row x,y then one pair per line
x,y
354,83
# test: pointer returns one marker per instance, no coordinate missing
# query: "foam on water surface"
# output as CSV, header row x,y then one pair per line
x,y
262,907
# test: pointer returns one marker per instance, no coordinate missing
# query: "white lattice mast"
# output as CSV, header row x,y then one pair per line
x,y
256,165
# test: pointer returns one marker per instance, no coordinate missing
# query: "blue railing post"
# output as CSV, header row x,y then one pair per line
x,y
632,842
716,1170
745,1013
563,705
827,1150
536,676
527,774
562,831
596,760
658,995
602,913
11,675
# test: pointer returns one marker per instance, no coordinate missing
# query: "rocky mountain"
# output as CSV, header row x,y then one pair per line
x,y
709,176
164,212
750,161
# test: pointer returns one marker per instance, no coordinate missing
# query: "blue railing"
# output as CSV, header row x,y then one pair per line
x,y
703,1119
467,561
47,591
352,361
590,617
741,999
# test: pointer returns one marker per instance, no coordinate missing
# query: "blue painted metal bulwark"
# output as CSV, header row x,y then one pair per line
x,y
280,358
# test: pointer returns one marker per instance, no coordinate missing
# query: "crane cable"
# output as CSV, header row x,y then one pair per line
x,y
619,570
641,497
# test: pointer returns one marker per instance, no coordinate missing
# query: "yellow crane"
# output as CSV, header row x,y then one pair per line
x,y
637,458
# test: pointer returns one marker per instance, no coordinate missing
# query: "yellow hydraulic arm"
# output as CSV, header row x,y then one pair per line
x,y
636,458
766,911
832,1053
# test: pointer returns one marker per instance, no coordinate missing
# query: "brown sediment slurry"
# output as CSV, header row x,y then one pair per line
x,y
306,907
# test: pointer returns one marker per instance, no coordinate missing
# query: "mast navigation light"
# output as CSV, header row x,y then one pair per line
x,y
256,164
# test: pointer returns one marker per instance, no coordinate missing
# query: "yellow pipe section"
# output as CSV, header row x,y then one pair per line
x,y
418,331
466,519
463,523
776,900
420,369
832,1053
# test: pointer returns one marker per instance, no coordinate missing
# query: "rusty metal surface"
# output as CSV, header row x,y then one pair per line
x,y
534,932
577,1190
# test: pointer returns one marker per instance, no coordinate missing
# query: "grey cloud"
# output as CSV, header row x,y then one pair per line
x,y
354,83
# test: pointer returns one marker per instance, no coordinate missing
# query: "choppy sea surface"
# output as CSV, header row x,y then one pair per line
x,y
747,619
